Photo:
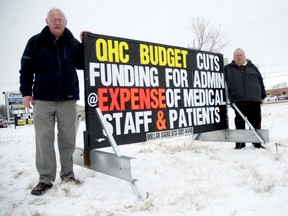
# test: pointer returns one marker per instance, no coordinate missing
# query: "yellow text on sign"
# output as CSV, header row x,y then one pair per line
x,y
111,50
162,56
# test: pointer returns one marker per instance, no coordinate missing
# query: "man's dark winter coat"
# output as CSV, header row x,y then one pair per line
x,y
244,83
49,67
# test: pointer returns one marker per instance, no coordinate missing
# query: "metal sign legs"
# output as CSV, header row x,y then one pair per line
x,y
107,163
258,135
227,135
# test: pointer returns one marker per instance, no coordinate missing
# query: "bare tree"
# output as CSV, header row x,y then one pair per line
x,y
283,84
206,36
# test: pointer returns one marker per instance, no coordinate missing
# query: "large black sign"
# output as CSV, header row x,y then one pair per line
x,y
150,91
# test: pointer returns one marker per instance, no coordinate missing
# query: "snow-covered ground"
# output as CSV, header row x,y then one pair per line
x,y
178,176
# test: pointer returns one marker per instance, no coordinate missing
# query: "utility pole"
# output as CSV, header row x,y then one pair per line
x,y
7,107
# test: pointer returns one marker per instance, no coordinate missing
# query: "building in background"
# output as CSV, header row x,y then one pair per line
x,y
277,92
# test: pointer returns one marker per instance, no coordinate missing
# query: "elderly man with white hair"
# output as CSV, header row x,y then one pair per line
x,y
246,90
49,83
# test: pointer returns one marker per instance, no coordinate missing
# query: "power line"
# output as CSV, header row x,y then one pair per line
x,y
256,24
272,77
110,11
259,20
91,14
148,14
273,72
275,65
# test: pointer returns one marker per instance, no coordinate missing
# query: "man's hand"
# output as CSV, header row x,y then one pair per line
x,y
28,101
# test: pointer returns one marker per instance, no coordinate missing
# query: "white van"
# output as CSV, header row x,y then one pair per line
x,y
270,98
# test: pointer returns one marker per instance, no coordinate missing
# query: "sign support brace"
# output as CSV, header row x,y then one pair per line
x,y
116,150
115,165
258,135
227,135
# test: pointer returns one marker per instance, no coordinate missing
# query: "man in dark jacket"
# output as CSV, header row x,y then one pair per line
x,y
246,90
49,82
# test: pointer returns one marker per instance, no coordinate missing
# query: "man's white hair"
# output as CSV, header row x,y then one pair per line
x,y
55,9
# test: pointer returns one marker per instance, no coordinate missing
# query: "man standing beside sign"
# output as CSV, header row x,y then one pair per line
x,y
246,90
49,82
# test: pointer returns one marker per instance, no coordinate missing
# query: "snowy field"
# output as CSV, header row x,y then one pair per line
x,y
178,176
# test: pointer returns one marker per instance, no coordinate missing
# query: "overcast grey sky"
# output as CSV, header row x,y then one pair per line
x,y
260,27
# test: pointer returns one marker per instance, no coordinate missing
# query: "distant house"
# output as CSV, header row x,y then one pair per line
x,y
278,91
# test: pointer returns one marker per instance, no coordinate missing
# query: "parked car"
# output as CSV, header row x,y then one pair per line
x,y
271,98
283,97
3,122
